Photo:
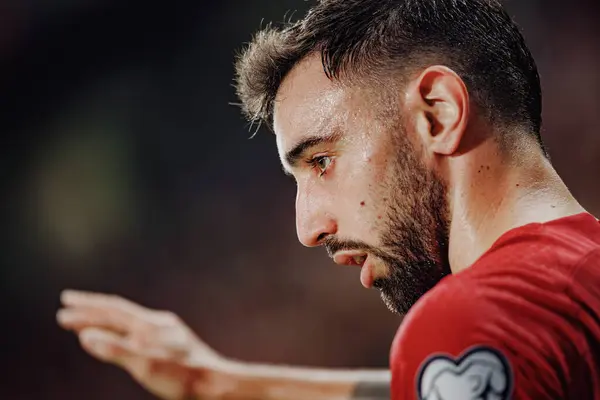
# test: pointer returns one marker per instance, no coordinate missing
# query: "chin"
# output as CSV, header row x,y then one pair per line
x,y
392,304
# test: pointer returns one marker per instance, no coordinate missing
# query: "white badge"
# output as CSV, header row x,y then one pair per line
x,y
480,373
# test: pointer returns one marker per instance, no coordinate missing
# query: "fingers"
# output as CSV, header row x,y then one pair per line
x,y
84,310
114,349
76,319
110,347
105,345
176,342
152,367
74,298
136,329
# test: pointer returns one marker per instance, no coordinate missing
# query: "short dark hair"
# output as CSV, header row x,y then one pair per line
x,y
476,38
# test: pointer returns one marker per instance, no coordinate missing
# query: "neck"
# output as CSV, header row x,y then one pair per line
x,y
491,196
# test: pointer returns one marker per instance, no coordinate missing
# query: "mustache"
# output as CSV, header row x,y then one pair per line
x,y
333,245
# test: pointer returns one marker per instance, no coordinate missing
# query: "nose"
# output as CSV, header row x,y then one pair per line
x,y
314,221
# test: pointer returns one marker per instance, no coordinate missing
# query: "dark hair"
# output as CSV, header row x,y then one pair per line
x,y
476,38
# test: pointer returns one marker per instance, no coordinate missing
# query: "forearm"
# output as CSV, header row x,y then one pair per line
x,y
254,382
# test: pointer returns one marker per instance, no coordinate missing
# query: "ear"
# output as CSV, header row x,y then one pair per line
x,y
439,102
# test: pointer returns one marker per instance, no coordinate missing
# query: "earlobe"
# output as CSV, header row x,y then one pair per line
x,y
440,100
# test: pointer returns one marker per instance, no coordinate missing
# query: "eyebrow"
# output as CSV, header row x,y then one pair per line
x,y
293,156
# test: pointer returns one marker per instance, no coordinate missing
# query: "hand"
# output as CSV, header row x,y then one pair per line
x,y
155,347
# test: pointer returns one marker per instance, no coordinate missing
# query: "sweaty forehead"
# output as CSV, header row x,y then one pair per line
x,y
307,103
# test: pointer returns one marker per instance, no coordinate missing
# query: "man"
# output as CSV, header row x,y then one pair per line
x,y
412,129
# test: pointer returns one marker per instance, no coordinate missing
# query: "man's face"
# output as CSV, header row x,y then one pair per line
x,y
364,191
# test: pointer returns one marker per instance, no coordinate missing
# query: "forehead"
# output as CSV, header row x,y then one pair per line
x,y
307,103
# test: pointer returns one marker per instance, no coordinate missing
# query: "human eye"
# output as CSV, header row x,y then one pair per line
x,y
321,164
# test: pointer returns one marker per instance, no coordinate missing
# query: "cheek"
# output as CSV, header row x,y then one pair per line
x,y
361,194
369,214
375,202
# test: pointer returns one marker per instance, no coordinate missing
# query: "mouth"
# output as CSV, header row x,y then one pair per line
x,y
357,258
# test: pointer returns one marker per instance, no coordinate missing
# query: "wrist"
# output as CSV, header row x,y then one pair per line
x,y
234,380
224,379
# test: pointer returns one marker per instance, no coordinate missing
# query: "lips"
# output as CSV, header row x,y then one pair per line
x,y
358,258
350,258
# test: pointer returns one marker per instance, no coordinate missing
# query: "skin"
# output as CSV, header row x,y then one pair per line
x,y
486,189
362,189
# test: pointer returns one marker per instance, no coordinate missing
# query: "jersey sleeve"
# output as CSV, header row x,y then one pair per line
x,y
459,344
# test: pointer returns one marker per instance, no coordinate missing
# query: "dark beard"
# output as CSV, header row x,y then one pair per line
x,y
414,233
415,245
416,254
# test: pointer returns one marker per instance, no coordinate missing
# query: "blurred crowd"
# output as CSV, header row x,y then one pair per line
x,y
126,170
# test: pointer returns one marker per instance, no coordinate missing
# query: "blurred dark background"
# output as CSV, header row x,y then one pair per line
x,y
125,170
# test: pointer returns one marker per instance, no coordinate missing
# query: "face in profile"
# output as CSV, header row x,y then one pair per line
x,y
364,190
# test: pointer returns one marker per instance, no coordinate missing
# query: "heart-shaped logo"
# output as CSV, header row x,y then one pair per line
x,y
480,373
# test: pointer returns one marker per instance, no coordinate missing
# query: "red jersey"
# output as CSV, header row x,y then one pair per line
x,y
523,322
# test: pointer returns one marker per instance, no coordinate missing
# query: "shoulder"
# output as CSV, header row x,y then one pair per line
x,y
464,331
447,318
560,244
529,277
514,321
448,340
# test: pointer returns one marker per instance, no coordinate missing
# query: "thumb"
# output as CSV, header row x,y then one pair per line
x,y
112,348
150,367
105,345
